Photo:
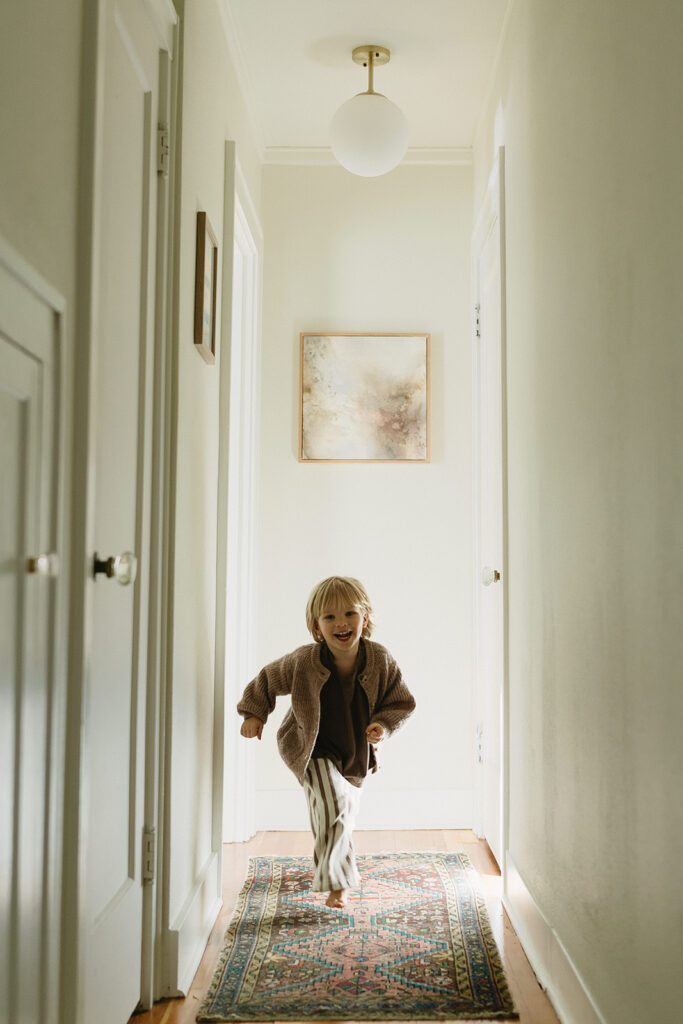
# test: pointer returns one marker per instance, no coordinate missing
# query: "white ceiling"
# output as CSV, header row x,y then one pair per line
x,y
293,58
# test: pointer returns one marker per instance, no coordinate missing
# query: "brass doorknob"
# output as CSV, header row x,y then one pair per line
x,y
122,568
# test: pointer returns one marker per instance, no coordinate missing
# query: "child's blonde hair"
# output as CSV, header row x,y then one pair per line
x,y
343,589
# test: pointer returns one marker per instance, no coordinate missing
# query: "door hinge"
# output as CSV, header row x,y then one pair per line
x,y
148,854
477,321
163,149
480,744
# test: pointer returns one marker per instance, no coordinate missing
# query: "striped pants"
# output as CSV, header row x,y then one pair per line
x,y
332,806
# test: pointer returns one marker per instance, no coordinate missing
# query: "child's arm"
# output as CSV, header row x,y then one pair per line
x,y
393,706
258,699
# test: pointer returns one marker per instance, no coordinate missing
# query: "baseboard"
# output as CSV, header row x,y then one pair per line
x,y
188,935
285,810
548,957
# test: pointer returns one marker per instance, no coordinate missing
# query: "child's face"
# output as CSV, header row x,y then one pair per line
x,y
341,626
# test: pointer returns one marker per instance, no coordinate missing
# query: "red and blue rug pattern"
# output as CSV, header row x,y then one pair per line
x,y
414,942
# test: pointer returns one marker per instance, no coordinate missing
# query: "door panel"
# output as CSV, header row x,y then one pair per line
x,y
123,290
29,702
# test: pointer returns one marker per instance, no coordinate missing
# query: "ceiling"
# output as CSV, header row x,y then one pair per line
x,y
293,58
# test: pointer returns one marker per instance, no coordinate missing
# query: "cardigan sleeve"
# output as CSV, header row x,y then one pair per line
x,y
396,703
273,681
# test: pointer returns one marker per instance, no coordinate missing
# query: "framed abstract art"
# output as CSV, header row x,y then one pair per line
x,y
364,398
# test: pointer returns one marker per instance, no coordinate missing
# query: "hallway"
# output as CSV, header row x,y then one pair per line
x,y
532,1003
172,221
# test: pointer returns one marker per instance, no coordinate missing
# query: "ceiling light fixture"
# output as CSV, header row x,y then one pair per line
x,y
369,132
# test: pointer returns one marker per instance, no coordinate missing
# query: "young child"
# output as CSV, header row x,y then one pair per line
x,y
347,695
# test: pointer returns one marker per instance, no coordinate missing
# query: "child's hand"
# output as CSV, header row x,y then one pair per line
x,y
252,727
374,732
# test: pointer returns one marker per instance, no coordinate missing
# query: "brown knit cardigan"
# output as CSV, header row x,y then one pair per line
x,y
302,674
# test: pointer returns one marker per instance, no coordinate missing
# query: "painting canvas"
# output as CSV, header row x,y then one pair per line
x,y
364,398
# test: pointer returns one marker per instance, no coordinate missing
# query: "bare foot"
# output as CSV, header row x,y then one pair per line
x,y
337,898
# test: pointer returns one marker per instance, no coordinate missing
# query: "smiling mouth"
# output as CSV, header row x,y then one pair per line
x,y
343,636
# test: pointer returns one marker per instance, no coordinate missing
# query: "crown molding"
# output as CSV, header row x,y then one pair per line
x,y
445,156
322,156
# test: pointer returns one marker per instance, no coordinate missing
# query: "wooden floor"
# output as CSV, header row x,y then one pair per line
x,y
532,1003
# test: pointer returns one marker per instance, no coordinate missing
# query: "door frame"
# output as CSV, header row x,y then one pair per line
x,y
492,208
164,20
238,493
160,641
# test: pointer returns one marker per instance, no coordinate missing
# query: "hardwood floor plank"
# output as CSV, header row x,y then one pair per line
x,y
375,842
286,844
532,1003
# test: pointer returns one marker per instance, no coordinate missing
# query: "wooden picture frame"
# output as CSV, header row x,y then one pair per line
x,y
205,287
364,397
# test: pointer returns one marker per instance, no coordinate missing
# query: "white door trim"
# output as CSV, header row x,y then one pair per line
x,y
492,208
74,895
240,390
224,411
151,974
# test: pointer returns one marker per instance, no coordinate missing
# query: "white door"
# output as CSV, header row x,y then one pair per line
x,y
117,541
31,678
489,504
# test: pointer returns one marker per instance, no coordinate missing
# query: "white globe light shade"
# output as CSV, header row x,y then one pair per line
x,y
369,135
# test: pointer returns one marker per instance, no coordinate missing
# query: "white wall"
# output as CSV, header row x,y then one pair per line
x,y
389,254
40,61
213,111
587,104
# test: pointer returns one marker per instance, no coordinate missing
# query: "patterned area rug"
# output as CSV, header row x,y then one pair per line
x,y
413,943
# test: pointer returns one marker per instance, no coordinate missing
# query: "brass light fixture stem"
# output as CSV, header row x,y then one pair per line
x,y
371,56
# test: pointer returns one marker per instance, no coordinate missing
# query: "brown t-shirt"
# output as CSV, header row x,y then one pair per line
x,y
344,717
